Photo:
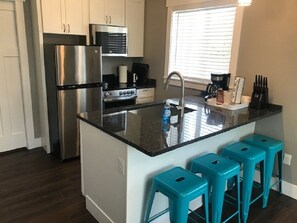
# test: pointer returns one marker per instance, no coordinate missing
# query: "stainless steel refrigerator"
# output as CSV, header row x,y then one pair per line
x,y
78,89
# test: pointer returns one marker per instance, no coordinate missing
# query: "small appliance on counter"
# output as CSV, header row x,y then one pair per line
x,y
131,78
260,93
123,72
110,81
142,72
229,99
219,81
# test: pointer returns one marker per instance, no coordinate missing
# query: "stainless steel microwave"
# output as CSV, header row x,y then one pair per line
x,y
113,39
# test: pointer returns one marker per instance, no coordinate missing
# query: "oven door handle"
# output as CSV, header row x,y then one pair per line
x,y
119,99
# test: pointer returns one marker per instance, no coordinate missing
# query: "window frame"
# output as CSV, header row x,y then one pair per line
x,y
177,5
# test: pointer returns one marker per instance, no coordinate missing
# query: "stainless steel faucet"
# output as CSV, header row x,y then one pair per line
x,y
182,85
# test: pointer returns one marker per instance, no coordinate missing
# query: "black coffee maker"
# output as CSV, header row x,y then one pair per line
x,y
219,81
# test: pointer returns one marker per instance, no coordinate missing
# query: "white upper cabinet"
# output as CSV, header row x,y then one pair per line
x,y
107,12
63,16
135,24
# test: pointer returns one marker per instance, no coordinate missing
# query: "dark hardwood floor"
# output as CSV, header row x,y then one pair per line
x,y
36,187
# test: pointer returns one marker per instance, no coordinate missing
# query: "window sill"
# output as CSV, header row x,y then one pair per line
x,y
188,84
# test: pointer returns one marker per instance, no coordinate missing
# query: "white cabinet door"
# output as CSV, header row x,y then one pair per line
x,y
12,123
107,12
53,16
116,12
97,12
135,24
74,16
63,16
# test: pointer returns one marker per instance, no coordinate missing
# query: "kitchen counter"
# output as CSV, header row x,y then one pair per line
x,y
121,152
150,83
141,126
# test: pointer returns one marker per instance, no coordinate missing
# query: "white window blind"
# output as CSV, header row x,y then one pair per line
x,y
201,41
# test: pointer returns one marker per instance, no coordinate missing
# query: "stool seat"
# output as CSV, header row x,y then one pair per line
x,y
180,186
243,151
264,142
218,170
179,182
272,147
249,156
216,164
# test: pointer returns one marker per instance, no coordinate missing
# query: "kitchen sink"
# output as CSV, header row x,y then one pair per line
x,y
175,110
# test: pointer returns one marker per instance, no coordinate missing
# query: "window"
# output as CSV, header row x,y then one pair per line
x,y
201,41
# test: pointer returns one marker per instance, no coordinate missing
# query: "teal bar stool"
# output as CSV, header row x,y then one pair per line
x,y
218,170
272,148
180,186
248,156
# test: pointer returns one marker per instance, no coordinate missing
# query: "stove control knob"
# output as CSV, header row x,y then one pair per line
x,y
124,93
128,92
121,93
132,92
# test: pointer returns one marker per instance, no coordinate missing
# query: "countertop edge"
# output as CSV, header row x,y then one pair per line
x,y
168,149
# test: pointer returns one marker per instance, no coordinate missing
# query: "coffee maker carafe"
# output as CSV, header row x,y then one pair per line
x,y
219,81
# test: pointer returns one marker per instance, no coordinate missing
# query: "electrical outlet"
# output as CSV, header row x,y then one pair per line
x,y
287,159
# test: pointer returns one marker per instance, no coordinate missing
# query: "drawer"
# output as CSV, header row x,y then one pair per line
x,y
145,92
144,100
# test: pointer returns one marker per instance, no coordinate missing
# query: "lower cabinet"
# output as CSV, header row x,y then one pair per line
x,y
145,95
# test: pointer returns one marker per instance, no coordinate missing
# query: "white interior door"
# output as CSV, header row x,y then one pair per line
x,y
12,123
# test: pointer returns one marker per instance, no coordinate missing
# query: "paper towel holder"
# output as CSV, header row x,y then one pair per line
x,y
123,72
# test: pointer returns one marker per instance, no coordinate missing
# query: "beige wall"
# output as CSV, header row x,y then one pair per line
x,y
268,47
154,40
154,47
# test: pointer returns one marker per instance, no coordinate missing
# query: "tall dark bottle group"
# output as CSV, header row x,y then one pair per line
x,y
260,93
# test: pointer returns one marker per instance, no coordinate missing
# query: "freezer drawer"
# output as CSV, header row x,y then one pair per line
x,y
70,103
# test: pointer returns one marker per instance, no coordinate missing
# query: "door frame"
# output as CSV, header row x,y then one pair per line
x,y
32,142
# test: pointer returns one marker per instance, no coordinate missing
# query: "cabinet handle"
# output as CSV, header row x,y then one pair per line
x,y
106,19
109,19
64,28
68,28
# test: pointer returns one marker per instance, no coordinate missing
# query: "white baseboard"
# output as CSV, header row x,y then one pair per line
x,y
96,211
288,188
35,143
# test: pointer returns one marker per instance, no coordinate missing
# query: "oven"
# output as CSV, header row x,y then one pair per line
x,y
119,98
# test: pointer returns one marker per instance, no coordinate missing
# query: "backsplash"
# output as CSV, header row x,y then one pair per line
x,y
110,64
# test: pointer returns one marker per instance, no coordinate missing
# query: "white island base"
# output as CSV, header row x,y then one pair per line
x,y
116,177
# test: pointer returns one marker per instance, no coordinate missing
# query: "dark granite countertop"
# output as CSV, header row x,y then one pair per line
x,y
141,127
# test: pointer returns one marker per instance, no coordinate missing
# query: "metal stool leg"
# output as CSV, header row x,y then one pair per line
x,y
206,205
248,176
237,183
280,169
180,210
217,199
150,202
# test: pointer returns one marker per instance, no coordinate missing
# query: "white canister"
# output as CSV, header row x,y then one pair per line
x,y
123,74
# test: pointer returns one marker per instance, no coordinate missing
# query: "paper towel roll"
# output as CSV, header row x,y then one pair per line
x,y
123,74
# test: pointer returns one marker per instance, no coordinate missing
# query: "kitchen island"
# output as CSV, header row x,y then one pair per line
x,y
122,151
